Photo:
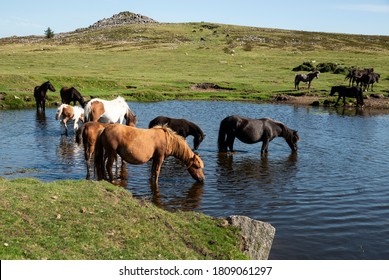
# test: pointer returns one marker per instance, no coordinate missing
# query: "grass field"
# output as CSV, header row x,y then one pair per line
x,y
162,61
99,221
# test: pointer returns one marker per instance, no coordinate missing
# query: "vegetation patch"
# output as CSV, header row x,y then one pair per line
x,y
96,220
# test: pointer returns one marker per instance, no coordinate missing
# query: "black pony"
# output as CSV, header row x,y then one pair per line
x,y
343,91
181,127
40,95
306,78
71,94
251,131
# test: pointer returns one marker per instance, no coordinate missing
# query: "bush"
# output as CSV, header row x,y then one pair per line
x,y
306,66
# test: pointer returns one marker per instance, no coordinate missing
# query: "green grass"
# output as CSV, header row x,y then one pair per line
x,y
162,61
96,220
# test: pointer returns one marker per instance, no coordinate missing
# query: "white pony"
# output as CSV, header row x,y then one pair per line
x,y
109,111
67,112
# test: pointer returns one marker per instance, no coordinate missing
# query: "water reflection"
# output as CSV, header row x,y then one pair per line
x,y
263,170
40,118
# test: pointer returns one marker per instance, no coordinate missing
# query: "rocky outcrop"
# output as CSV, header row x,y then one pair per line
x,y
257,236
122,18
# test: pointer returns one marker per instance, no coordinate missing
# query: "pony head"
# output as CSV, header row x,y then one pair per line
x,y
130,117
195,168
294,138
50,86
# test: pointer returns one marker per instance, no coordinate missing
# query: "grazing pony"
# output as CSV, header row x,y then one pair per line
x,y
181,127
88,134
138,146
306,78
251,131
109,111
343,91
40,95
66,112
71,94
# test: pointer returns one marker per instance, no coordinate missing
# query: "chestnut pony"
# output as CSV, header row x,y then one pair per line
x,y
138,146
87,134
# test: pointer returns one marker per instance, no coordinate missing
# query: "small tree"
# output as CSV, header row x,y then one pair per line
x,y
49,33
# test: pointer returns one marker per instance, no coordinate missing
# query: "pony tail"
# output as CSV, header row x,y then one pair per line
x,y
87,111
221,140
99,158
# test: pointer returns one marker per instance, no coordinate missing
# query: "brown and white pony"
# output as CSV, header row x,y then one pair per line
x,y
67,112
109,111
138,146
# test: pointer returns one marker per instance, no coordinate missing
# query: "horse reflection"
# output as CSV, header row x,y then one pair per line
x,y
243,172
40,118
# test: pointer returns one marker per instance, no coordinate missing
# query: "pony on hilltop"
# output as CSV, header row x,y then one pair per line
x,y
109,111
251,131
138,146
306,78
71,94
182,127
66,112
40,95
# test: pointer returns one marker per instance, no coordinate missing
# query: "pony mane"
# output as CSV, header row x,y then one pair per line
x,y
176,143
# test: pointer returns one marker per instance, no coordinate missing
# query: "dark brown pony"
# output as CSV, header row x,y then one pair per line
x,y
181,127
251,131
71,94
343,91
88,134
40,95
138,146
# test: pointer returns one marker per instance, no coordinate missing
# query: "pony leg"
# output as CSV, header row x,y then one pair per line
x,y
108,167
87,155
156,170
230,141
336,103
265,147
123,170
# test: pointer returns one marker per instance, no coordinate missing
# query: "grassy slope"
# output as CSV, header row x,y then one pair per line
x,y
96,220
162,61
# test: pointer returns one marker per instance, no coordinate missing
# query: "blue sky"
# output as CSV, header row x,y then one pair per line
x,y
27,17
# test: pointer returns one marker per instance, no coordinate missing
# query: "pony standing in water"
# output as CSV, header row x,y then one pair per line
x,y
88,134
138,146
40,95
251,131
109,111
67,112
181,127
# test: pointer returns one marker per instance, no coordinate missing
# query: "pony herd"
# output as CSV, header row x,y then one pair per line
x,y
105,136
363,78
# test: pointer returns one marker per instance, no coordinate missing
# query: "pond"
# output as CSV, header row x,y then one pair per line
x,y
328,201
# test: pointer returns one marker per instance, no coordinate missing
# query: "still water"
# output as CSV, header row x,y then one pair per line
x,y
328,201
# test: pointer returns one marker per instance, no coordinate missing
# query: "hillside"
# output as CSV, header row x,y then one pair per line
x,y
134,56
